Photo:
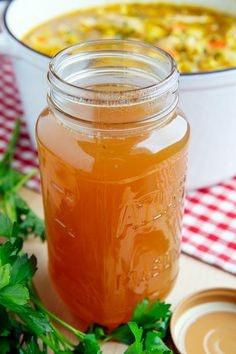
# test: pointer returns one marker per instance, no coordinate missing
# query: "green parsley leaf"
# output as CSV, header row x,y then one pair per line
x,y
5,275
6,226
155,345
98,331
9,250
28,221
150,317
14,294
88,346
21,205
23,269
137,346
37,321
122,334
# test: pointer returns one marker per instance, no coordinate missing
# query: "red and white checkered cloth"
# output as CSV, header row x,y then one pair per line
x,y
209,232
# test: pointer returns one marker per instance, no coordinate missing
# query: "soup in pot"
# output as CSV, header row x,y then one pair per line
x,y
200,39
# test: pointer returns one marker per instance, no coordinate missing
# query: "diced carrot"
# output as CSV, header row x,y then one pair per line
x,y
217,43
42,39
180,26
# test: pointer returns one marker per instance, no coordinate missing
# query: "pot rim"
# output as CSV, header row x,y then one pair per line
x,y
203,73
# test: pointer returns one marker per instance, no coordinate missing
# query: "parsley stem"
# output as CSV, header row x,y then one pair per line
x,y
43,337
25,179
61,337
9,206
108,338
4,205
80,335
48,342
8,156
36,299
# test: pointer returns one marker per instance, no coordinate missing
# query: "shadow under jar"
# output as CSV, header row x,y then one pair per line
x,y
113,153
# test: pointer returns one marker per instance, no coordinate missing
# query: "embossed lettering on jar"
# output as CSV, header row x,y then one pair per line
x,y
113,152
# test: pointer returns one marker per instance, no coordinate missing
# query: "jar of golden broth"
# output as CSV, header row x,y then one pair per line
x,y
113,152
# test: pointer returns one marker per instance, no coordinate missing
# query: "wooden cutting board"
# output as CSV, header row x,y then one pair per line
x,y
193,276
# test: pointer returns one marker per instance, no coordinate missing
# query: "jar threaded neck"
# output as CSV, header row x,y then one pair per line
x,y
113,74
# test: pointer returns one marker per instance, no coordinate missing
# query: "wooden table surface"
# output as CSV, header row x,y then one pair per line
x,y
193,276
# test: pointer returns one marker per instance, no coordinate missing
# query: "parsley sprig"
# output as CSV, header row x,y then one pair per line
x,y
146,330
10,202
26,326
26,321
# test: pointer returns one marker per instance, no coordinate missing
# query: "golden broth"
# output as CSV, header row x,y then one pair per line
x,y
200,39
113,211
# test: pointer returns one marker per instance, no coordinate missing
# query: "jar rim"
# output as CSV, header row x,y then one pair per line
x,y
163,85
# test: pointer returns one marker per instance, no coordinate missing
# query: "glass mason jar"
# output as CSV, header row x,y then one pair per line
x,y
113,152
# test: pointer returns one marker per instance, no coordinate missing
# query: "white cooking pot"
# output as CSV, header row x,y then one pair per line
x,y
208,99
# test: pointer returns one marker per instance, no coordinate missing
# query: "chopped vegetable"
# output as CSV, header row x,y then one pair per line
x,y
217,43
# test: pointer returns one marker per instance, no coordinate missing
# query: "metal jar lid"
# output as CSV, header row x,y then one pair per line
x,y
205,323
